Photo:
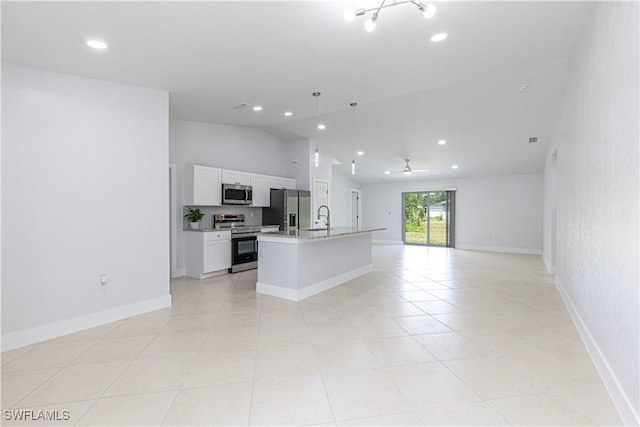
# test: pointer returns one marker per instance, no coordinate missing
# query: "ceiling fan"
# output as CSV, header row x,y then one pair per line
x,y
407,170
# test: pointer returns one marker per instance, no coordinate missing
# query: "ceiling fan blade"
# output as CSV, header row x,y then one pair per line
x,y
407,170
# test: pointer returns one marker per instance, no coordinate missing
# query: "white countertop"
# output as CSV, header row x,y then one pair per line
x,y
317,234
208,230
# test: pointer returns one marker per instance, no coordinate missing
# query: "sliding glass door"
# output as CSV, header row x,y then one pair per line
x,y
428,218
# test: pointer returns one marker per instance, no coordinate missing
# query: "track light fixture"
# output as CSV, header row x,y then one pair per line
x,y
428,10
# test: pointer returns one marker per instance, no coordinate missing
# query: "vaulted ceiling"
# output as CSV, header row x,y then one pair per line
x,y
214,56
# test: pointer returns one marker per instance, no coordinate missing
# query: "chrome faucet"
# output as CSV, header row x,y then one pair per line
x,y
327,216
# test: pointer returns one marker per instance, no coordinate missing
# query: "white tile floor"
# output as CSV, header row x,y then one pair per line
x,y
433,336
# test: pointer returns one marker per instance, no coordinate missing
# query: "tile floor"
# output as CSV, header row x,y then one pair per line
x,y
432,337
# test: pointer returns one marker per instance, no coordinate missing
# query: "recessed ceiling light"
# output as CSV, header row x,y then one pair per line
x,y
288,113
360,153
439,37
97,44
257,108
442,142
454,167
387,172
321,126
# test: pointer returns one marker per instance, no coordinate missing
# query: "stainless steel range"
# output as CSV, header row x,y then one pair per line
x,y
244,241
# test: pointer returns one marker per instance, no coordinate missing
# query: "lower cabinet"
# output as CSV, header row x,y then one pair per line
x,y
208,253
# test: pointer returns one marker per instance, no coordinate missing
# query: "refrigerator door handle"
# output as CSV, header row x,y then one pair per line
x,y
292,220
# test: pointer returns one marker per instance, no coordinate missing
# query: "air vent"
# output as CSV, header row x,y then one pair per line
x,y
533,140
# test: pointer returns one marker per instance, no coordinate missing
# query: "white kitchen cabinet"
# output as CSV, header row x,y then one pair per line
x,y
203,186
261,190
279,182
208,253
235,177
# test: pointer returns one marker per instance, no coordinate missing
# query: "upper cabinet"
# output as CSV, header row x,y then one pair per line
x,y
203,186
235,177
261,190
279,183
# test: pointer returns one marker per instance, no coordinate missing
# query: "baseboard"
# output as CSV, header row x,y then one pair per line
x,y
76,324
548,265
386,242
620,399
500,249
277,291
316,288
179,272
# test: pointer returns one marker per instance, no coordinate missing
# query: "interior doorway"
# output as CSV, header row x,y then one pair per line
x,y
428,218
355,209
320,197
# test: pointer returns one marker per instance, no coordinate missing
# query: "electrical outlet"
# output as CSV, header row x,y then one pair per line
x,y
103,281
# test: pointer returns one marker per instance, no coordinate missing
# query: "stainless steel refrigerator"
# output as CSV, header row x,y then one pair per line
x,y
290,209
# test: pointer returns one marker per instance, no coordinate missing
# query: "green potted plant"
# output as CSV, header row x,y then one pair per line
x,y
194,216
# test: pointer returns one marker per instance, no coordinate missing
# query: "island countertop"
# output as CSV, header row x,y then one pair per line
x,y
298,264
299,236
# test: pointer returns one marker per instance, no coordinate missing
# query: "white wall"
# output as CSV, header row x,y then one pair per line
x,y
341,186
596,138
84,192
228,147
501,213
299,151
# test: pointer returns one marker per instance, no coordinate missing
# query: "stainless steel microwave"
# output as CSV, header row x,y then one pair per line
x,y
236,194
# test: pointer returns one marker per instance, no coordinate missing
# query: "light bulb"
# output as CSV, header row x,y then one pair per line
x,y
257,108
321,126
429,11
97,44
439,37
370,24
454,166
349,15
316,158
353,167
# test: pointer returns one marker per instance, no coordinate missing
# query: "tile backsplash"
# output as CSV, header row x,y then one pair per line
x,y
252,216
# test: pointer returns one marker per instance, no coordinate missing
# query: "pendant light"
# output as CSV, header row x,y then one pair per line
x,y
316,153
428,11
353,161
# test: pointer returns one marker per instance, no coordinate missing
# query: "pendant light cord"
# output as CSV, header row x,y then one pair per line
x,y
353,138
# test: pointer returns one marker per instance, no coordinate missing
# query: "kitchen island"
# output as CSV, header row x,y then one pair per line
x,y
297,264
